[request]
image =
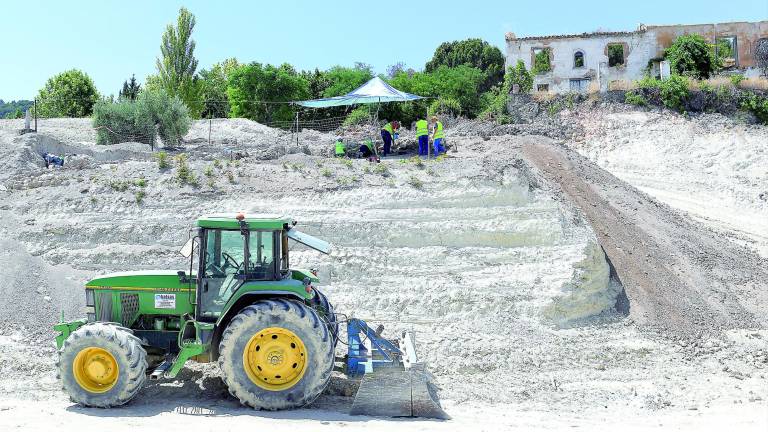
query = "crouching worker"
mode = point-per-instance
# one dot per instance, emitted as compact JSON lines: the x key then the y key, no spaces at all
{"x":388,"y":133}
{"x":340,"y":148}
{"x":366,"y":150}
{"x":437,"y":136}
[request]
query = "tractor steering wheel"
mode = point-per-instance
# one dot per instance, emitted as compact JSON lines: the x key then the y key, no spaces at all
{"x":230,"y":261}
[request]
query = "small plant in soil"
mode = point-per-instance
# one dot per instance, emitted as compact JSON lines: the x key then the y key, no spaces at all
{"x":325,"y":172}
{"x":140,"y":196}
{"x":162,"y":160}
{"x":217,"y":163}
{"x":119,"y":185}
{"x":347,"y":162}
{"x":415,"y":182}
{"x":140,"y":182}
{"x":230,"y":177}
{"x":382,"y":169}
{"x":208,"y":171}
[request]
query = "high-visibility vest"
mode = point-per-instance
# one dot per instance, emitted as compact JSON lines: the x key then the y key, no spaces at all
{"x":340,"y":148}
{"x":422,"y":128}
{"x":438,"y":131}
{"x":388,"y":127}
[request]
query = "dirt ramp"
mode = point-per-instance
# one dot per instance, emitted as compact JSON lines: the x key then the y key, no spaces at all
{"x":678,"y":275}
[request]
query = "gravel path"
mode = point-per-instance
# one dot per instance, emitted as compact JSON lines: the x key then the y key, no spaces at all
{"x":678,"y":274}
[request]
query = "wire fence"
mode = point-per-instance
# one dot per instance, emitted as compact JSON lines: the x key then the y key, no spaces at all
{"x":294,"y":126}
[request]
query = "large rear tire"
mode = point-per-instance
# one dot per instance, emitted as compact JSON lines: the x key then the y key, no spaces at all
{"x":102,"y":365}
{"x":325,"y":309}
{"x":276,"y":354}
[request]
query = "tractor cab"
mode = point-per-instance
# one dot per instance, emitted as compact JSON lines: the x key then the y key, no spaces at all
{"x":234,"y":255}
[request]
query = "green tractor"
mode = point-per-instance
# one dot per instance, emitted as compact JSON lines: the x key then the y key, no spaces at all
{"x":239,"y":303}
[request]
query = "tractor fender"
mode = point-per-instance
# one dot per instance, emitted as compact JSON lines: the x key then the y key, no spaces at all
{"x":246,"y":299}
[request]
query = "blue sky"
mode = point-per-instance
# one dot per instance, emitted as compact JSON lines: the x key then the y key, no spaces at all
{"x":110,"y":40}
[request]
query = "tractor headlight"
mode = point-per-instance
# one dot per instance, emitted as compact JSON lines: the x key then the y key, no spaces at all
{"x":89,"y":298}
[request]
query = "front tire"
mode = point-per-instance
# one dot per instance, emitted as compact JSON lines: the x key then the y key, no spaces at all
{"x":102,"y":365}
{"x":276,"y":354}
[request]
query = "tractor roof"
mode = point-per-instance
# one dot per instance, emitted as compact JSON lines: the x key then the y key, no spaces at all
{"x":230,"y":221}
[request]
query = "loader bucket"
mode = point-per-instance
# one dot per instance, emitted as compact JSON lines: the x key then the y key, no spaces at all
{"x":397,"y":392}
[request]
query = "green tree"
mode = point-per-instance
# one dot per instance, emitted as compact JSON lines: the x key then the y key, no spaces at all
{"x":691,"y":55}
{"x":318,"y":82}
{"x":475,"y":53}
{"x":130,"y":89}
{"x":253,"y":88}
{"x":213,"y":88}
{"x":342,"y":80}
{"x":68,"y":94}
{"x":10,"y":108}
{"x":459,"y":84}
{"x":176,"y":65}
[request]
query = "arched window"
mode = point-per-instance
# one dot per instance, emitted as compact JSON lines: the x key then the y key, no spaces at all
{"x":578,"y":59}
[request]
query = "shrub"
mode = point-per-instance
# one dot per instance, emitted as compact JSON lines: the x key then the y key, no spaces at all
{"x":140,"y":196}
{"x":691,"y":55}
{"x":633,"y":98}
{"x":140,"y":182}
{"x":123,"y":121}
{"x":169,"y":114}
{"x":541,"y":63}
{"x":674,"y":92}
{"x":445,"y":106}
{"x":737,"y":79}
{"x":230,"y":177}
{"x":757,"y":105}
{"x":359,"y":115}
{"x":138,"y":120}
{"x":325,"y":172}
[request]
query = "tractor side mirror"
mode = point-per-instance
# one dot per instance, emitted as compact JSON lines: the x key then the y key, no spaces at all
{"x":186,"y":250}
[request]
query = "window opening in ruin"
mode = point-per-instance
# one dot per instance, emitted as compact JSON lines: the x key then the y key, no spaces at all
{"x":578,"y":59}
{"x":615,"y":55}
{"x":541,"y":60}
{"x":726,"y":51}
{"x":542,"y":87}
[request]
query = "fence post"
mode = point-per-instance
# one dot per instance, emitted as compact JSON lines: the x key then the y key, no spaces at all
{"x":35,"y":115}
{"x":209,"y":131}
{"x":297,"y":128}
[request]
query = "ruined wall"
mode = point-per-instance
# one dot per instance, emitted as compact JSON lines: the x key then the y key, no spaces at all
{"x":746,"y":34}
{"x":640,"y":47}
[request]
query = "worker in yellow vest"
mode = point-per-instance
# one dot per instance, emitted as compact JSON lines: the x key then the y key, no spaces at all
{"x":422,"y":134}
{"x":437,"y":136}
{"x":388,"y":134}
{"x":340,"y":148}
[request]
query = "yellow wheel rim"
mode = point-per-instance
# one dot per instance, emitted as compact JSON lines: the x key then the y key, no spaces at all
{"x":275,"y":359}
{"x":95,"y":370}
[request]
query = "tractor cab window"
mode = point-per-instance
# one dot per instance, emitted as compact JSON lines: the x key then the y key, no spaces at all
{"x":261,"y":259}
